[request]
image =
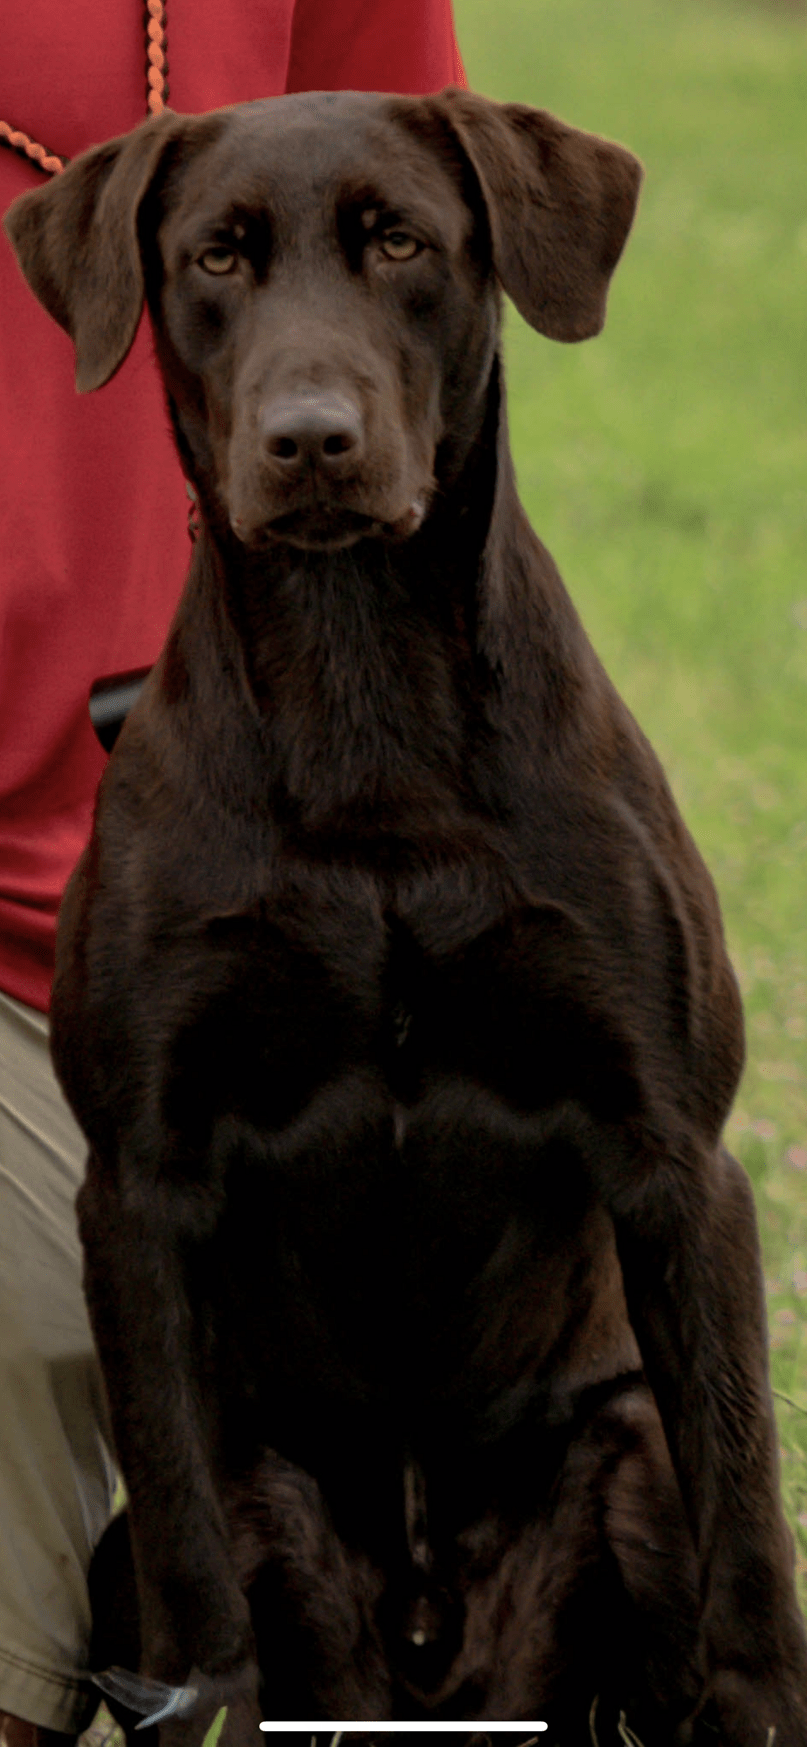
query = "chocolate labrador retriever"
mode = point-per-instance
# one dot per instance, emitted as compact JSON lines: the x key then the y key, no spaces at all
{"x":392,"y":993}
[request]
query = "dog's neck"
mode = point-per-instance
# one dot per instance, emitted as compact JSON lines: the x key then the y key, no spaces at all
{"x":367,"y":669}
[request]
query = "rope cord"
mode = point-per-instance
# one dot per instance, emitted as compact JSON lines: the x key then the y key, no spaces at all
{"x":51,"y":162}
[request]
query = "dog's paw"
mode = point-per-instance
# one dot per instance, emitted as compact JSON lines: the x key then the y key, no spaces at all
{"x":739,"y":1712}
{"x":226,"y":1713}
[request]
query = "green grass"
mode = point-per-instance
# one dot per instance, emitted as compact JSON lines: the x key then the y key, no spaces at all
{"x":665,"y":465}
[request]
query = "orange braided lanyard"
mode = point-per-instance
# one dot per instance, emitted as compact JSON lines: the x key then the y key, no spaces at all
{"x":156,"y":60}
{"x":52,"y":163}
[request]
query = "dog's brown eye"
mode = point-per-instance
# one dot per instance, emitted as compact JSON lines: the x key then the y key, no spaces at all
{"x":397,"y":246}
{"x":218,"y":260}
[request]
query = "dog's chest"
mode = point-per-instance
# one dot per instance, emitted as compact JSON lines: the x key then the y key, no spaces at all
{"x":375,"y":1071}
{"x":424,"y":1001}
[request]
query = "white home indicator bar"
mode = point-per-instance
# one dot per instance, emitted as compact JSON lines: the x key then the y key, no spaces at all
{"x":467,"y":1728}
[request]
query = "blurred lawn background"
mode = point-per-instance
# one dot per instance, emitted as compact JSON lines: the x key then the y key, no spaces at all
{"x":665,"y":466}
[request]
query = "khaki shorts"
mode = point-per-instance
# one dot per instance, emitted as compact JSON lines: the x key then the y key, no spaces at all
{"x":57,"y":1478}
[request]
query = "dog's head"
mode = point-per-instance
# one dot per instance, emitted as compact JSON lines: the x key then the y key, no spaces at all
{"x":322,"y":275}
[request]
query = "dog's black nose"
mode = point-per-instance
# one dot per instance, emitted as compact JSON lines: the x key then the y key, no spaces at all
{"x":311,"y":428}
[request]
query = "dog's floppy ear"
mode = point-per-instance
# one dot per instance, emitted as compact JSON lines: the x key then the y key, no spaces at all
{"x":559,"y":202}
{"x":76,"y":242}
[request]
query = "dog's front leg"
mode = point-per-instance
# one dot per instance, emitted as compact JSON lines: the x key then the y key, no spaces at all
{"x":688,"y":1248}
{"x":193,"y":1614}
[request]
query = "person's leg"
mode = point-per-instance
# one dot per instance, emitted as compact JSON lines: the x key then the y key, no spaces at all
{"x":57,"y":1477}
{"x":15,"y":1732}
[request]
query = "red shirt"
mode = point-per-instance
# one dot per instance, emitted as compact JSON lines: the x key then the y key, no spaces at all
{"x":93,"y":513}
